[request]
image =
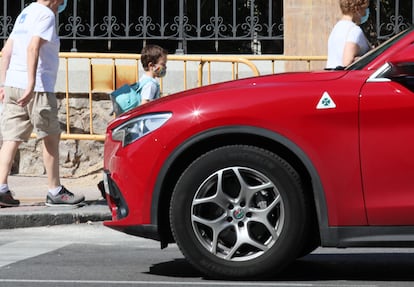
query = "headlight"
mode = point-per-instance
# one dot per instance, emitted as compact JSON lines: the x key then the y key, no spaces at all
{"x":136,"y":128}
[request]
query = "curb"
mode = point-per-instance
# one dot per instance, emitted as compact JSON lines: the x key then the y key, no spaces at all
{"x":40,"y":215}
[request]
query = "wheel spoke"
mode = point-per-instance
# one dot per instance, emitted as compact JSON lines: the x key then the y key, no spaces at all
{"x":243,"y":238}
{"x":245,"y":191}
{"x":216,"y":226}
{"x":219,"y":197}
{"x":248,"y":191}
{"x":256,"y":244}
{"x":261,"y":216}
{"x":265,"y":211}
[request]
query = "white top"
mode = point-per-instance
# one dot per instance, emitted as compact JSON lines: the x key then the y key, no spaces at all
{"x":35,"y":20}
{"x":344,"y":31}
{"x":151,"y":89}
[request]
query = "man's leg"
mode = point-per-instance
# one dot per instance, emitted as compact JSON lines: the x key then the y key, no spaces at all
{"x":7,"y":154}
{"x":51,"y":160}
{"x":57,"y":195}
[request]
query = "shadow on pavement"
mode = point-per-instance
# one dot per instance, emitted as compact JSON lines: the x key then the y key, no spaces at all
{"x":320,"y":267}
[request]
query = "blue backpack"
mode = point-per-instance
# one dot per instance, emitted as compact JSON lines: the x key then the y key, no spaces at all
{"x":127,"y":96}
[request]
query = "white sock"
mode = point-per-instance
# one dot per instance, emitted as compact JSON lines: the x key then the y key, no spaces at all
{"x":55,"y":191}
{"x":4,"y":188}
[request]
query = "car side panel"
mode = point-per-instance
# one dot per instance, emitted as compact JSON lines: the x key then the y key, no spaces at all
{"x":329,"y":137}
{"x":387,"y":148}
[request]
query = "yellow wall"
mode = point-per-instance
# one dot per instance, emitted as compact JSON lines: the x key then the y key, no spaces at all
{"x":307,"y":24}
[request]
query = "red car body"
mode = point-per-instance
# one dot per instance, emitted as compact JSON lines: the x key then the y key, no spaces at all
{"x":348,"y":134}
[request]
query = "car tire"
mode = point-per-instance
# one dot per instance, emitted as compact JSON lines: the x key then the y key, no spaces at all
{"x":239,"y":211}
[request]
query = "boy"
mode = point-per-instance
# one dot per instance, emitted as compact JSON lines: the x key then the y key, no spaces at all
{"x":154,"y":62}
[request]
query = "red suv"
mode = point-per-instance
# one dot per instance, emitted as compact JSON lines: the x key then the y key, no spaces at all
{"x":248,"y":175}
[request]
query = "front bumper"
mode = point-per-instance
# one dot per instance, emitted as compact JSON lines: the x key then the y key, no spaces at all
{"x":114,"y":198}
{"x":119,"y":210}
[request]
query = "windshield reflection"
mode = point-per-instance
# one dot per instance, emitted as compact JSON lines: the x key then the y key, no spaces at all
{"x":371,"y":55}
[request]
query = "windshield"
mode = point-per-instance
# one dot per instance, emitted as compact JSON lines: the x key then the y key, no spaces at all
{"x":367,"y":58}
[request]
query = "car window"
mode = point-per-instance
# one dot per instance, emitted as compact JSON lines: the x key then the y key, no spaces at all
{"x":367,"y":58}
{"x":402,"y":73}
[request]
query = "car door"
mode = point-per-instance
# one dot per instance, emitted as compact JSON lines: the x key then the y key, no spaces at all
{"x":387,"y":142}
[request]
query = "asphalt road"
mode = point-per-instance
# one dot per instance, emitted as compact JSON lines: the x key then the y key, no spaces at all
{"x":92,"y":255}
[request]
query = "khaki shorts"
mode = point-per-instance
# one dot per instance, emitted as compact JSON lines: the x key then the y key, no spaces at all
{"x":40,"y":116}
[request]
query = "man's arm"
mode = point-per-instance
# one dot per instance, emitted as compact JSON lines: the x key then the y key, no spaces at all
{"x":32,"y":61}
{"x":4,"y":64}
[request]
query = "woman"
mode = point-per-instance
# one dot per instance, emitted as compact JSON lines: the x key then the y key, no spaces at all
{"x":347,"y":40}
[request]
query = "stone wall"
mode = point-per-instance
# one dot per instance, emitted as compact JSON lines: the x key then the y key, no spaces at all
{"x":77,"y":157}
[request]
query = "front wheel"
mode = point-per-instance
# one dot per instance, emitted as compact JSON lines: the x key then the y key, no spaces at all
{"x":239,"y":211}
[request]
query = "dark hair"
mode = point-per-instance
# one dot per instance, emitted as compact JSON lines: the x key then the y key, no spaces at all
{"x":351,"y":6}
{"x":151,"y":54}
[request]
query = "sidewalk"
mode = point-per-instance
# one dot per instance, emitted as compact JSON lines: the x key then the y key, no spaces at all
{"x":31,"y":191}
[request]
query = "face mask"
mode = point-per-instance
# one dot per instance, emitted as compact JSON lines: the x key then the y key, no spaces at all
{"x":160,"y":71}
{"x":62,"y":7}
{"x":365,"y":18}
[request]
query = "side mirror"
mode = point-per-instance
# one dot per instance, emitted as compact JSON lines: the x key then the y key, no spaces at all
{"x":402,"y":73}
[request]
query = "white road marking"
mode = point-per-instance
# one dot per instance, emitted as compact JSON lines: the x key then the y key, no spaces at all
{"x":20,"y":250}
{"x":175,"y":283}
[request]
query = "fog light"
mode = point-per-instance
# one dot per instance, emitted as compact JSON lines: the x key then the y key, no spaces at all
{"x":122,"y":212}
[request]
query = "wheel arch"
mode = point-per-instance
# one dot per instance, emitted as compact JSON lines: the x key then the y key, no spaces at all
{"x":201,"y":143}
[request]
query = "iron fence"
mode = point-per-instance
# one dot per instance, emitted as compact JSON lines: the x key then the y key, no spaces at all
{"x":201,"y":26}
{"x":393,"y":16}
{"x":190,"y":26}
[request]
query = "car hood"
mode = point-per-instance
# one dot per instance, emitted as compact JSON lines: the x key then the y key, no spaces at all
{"x":283,"y":79}
{"x":308,"y":76}
{"x":276,"y":79}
